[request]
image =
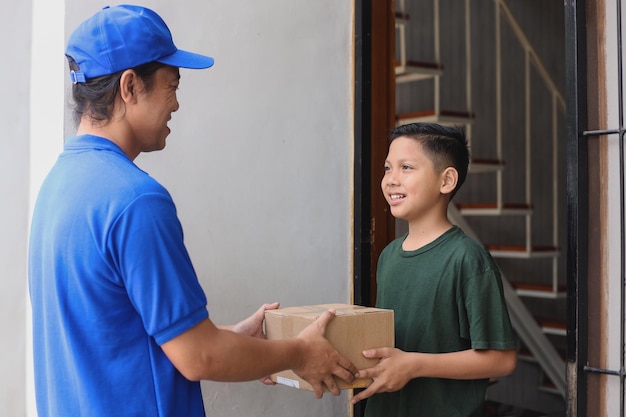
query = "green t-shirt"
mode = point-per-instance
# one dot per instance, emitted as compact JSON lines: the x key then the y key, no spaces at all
{"x":447,"y":296}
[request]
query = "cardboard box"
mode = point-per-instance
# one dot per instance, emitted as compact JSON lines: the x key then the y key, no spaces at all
{"x":354,"y":329}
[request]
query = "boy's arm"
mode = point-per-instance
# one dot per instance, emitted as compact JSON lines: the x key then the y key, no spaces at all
{"x":396,"y":367}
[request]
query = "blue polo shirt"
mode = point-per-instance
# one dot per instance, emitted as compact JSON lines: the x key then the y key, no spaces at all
{"x":110,"y":281}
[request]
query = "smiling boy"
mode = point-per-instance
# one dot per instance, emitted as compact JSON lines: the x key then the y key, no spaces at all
{"x":452,"y":327}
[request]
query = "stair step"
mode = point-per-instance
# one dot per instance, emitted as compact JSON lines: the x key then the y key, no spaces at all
{"x":492,"y":209}
{"x":549,"y":387}
{"x":521,"y":251}
{"x":478,"y":165}
{"x":524,"y":354}
{"x":415,"y":71}
{"x":444,"y":117}
{"x":402,"y":17}
{"x":551,"y":326}
{"x":539,"y":290}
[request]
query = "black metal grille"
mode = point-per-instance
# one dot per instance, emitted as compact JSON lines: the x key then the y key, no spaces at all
{"x":578,"y":135}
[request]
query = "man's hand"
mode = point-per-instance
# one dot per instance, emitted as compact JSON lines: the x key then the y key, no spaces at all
{"x":321,"y":359}
{"x":253,"y":326}
{"x":389,"y":374}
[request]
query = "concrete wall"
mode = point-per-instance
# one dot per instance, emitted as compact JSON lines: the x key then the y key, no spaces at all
{"x":259,"y":163}
{"x":15,"y":70}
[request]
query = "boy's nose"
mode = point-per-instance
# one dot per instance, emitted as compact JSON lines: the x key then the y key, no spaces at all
{"x":391,"y":179}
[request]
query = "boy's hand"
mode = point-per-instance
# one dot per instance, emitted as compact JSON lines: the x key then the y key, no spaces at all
{"x":391,"y":373}
{"x":321,"y":359}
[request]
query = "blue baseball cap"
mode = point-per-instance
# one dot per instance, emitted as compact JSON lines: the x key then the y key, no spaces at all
{"x":123,"y":37}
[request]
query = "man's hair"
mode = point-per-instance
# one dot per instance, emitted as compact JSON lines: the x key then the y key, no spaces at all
{"x":446,"y":146}
{"x":96,"y":97}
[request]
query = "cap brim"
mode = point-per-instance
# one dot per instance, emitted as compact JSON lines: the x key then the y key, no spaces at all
{"x":186,"y":59}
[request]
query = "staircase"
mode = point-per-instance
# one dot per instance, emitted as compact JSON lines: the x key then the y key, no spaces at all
{"x":525,"y":236}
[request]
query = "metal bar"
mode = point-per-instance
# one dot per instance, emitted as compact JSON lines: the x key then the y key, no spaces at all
{"x":555,"y":191}
{"x":577,"y":206}
{"x":362,"y":133}
{"x":468,"y":69}
{"x":498,"y":102}
{"x":622,"y":206}
{"x":528,"y":173}
{"x":402,"y":7}
{"x":519,"y":33}
{"x":620,"y":95}
{"x":437,"y":36}
{"x":601,"y":132}
{"x":468,"y":58}
{"x":402,"y":30}
{"x":602,"y":371}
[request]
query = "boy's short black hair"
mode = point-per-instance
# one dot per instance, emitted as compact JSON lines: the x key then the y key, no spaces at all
{"x":446,"y":146}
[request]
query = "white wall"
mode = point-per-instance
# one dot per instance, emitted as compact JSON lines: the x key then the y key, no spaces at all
{"x":259,"y":163}
{"x":15,"y":70}
{"x":45,"y":113}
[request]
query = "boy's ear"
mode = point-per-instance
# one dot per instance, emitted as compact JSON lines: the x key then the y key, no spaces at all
{"x":450,"y":177}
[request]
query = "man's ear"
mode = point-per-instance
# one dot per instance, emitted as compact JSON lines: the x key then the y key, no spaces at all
{"x":450,"y":178}
{"x":129,"y":86}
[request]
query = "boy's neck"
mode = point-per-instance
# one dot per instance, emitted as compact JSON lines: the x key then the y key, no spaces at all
{"x":424,"y":232}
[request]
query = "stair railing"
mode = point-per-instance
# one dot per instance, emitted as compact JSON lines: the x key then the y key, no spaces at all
{"x":468,"y":69}
{"x":531,"y":59}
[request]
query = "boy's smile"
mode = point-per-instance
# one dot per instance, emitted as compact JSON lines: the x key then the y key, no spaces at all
{"x":396,"y":197}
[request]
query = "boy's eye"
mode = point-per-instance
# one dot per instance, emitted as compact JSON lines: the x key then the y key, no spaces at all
{"x":386,"y":168}
{"x":406,"y":167}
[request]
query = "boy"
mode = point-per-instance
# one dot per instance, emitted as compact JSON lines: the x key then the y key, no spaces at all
{"x":452,"y":327}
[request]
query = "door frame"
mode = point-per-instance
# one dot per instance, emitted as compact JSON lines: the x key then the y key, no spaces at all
{"x":374,"y":118}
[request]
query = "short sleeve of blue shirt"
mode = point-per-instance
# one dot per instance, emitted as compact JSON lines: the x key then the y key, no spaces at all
{"x":146,"y":242}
